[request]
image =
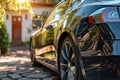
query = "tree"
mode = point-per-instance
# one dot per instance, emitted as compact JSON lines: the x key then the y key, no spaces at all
{"x":4,"y":40}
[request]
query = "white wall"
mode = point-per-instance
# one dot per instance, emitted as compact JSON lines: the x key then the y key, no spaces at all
{"x":8,"y":25}
{"x":25,"y":25}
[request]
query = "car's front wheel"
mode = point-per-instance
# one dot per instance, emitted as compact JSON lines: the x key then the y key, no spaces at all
{"x":68,"y":63}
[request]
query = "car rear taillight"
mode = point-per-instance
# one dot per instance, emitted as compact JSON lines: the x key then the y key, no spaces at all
{"x":110,"y":14}
{"x":90,"y":19}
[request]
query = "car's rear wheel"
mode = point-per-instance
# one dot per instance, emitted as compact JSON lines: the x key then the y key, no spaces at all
{"x":32,"y":55}
{"x":68,"y":63}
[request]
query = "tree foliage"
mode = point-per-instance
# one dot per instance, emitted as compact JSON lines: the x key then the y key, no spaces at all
{"x":4,"y":40}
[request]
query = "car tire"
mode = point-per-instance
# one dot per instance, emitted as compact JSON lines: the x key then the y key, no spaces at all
{"x":32,"y":56}
{"x":68,"y":61}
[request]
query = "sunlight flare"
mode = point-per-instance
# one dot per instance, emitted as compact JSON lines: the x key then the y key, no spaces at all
{"x":21,"y":1}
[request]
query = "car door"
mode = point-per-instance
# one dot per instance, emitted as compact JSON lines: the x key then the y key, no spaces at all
{"x":48,"y":32}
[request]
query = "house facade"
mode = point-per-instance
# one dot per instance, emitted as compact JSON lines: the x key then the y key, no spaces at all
{"x":20,"y":24}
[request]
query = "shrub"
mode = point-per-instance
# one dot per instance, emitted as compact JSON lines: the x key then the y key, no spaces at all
{"x":4,"y":40}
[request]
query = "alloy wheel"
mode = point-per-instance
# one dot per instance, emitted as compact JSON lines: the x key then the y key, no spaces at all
{"x":67,"y":61}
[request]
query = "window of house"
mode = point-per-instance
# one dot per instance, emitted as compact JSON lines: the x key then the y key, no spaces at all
{"x":36,"y":22}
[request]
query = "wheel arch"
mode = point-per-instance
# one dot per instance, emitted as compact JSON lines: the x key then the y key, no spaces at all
{"x":61,"y":38}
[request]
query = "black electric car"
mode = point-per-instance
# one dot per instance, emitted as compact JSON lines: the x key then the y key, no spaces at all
{"x":80,"y":40}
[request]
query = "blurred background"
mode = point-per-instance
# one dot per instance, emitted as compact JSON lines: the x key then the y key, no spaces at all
{"x":20,"y":18}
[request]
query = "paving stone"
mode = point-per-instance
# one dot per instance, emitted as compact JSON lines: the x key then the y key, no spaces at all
{"x":3,"y":72}
{"x":27,"y":79}
{"x":55,"y":78}
{"x":14,"y":76}
{"x":11,"y":72}
{"x":24,"y":75}
{"x":47,"y":73}
{"x":21,"y":69}
{"x":37,"y":72}
{"x":8,"y":68}
{"x":6,"y":79}
{"x":48,"y":79}
{"x":31,"y":68}
{"x":37,"y":76}
{"x":27,"y":64}
{"x":3,"y":75}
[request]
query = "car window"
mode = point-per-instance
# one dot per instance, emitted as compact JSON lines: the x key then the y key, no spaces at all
{"x":51,"y":15}
{"x":76,"y":3}
{"x":73,"y":4}
{"x":57,"y":12}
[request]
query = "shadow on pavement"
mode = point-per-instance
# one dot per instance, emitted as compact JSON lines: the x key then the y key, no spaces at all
{"x":17,"y":66}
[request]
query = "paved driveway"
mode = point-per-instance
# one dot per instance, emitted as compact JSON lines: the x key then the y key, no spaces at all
{"x":16,"y":66}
